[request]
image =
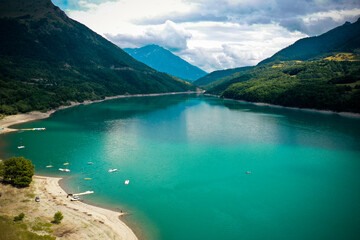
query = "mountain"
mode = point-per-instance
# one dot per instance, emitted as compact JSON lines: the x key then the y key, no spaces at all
{"x":48,"y":60}
{"x":216,"y":75}
{"x":320,"y":72}
{"x":335,"y":43}
{"x":321,"y":84}
{"x":345,"y":38}
{"x":165,"y":61}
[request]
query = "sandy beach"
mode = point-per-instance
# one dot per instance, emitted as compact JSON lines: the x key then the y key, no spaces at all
{"x":81,"y":221}
{"x":8,"y":121}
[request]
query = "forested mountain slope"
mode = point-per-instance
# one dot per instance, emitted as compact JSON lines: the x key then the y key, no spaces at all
{"x":323,"y":84}
{"x":319,"y":72}
{"x":345,"y":38}
{"x":48,"y":59}
{"x":217,"y":75}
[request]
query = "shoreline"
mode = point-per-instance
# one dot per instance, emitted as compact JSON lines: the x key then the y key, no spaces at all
{"x":135,"y":227}
{"x":53,"y":189}
{"x":104,"y":219}
{"x":342,"y":114}
{"x":8,"y":121}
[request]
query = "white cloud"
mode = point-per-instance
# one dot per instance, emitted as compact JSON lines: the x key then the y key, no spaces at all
{"x":120,"y":16}
{"x":234,"y":45}
{"x":169,"y":35}
{"x":213,"y":34}
{"x":336,"y":15}
{"x":87,"y":5}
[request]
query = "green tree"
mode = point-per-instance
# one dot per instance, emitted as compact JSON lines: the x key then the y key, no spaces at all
{"x":19,"y":217}
{"x":58,"y":217}
{"x":18,"y":171}
{"x":2,"y":167}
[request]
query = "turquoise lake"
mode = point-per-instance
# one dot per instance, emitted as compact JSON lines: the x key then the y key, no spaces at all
{"x":187,"y":159}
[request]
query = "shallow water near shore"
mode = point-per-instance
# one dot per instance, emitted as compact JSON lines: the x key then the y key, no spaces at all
{"x":204,"y":168}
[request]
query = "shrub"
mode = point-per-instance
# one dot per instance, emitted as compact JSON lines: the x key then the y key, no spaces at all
{"x":58,"y":217}
{"x":19,"y":217}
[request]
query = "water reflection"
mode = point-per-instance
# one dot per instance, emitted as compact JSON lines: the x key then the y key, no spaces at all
{"x":187,"y":156}
{"x":287,"y":126}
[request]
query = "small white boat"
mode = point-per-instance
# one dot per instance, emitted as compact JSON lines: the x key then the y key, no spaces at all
{"x":20,"y":147}
{"x":75,"y":198}
{"x":84,"y":193}
{"x":90,"y":163}
{"x":64,"y":170}
{"x":127,"y":182}
{"x":112,"y":170}
{"x":49,"y":166}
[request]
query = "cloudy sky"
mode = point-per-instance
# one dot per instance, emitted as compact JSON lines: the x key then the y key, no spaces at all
{"x":212,"y":34}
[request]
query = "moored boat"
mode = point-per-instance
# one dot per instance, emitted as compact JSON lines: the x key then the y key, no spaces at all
{"x":64,"y":170}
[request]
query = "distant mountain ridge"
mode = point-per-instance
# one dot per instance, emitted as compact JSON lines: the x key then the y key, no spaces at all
{"x":48,"y":59}
{"x":163,"y":60}
{"x":216,"y":75}
{"x":345,"y":38}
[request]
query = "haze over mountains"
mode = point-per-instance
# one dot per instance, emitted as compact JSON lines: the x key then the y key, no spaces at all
{"x":163,"y":60}
{"x":48,"y":59}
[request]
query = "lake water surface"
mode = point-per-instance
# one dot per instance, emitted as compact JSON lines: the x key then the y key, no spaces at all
{"x":186,"y":157}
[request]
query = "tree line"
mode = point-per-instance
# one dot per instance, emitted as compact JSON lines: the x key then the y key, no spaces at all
{"x":329,"y":85}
